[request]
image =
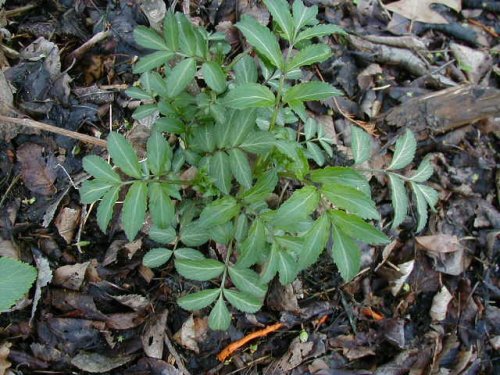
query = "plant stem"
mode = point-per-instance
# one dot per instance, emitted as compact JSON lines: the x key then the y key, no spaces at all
{"x":226,"y":263}
{"x":375,"y":170}
{"x":280,"y":89}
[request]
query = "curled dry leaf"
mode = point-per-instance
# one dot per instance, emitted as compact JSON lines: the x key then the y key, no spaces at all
{"x":38,"y":175}
{"x":154,"y":335}
{"x":404,"y":269}
{"x":67,"y":222}
{"x":97,"y":363}
{"x":71,"y":276}
{"x":440,"y":243}
{"x":422,"y":11}
{"x":440,"y":303}
{"x":135,"y":301}
{"x":43,"y":279}
{"x":192,"y":332}
{"x":4,"y":354}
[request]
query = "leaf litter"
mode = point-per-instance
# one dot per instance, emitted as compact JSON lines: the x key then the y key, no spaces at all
{"x":105,"y":312}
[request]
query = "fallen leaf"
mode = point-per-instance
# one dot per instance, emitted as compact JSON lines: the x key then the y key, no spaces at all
{"x":404,"y":269}
{"x":71,"y":276}
{"x":440,"y":303}
{"x":473,"y":62}
{"x":38,"y":175}
{"x":421,"y":10}
{"x":67,"y":222}
{"x":98,"y":363}
{"x":7,"y":249}
{"x":4,"y":354}
{"x":43,"y":279}
{"x":154,"y":335}
{"x":135,"y":301}
{"x":122,"y":321}
{"x":192,"y":332}
{"x":440,"y":243}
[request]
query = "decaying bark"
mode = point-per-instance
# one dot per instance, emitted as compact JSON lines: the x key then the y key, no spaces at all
{"x":447,"y":109}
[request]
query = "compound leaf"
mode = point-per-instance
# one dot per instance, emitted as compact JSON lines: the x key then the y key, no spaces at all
{"x":424,"y":171}
{"x":346,"y":254}
{"x":287,"y":267}
{"x":240,"y":167}
{"x":342,"y":176}
{"x":301,"y":204}
{"x":361,"y":145}
{"x":219,"y":318}
{"x":123,"y":155}
{"x":421,"y":206}
{"x":279,"y":9}
{"x":262,"y":39}
{"x":251,"y":249}
{"x":219,"y":170}
{"x":134,"y":209}
{"x":219,"y":212}
{"x":319,"y":31}
{"x":244,"y":302}
{"x":249,"y":95}
{"x":99,"y":168}
{"x":214,"y":76}
{"x":310,"y":91}
{"x":314,"y":242}
{"x":303,"y":15}
{"x":357,"y":228}
{"x":171,"y":31}
{"x":93,"y":190}
{"x":258,"y":142}
{"x":312,"y":54}
{"x":148,"y":38}
{"x":194,"y":234}
{"x":180,"y":77}
{"x":351,"y":200}
{"x":106,"y":206}
{"x":399,"y":199}
{"x":245,"y":70}
{"x":156,"y":257}
{"x":158,"y":153}
{"x":198,"y":300}
{"x":160,"y":205}
{"x":404,"y":153}
{"x":199,"y":269}
{"x":247,"y":281}
{"x":162,"y":235}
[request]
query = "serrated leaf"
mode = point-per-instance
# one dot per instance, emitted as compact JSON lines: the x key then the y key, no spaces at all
{"x":188,"y":253}
{"x":222,"y":234}
{"x":287,"y":267}
{"x":404,"y":153}
{"x":219,"y":318}
{"x":134,"y":209}
{"x":258,"y":142}
{"x":123,"y":155}
{"x":245,"y":70}
{"x":198,"y":300}
{"x":194,"y":234}
{"x":242,"y":301}
{"x":399,"y":199}
{"x":346,"y":254}
{"x":160,"y":205}
{"x":144,"y":111}
{"x":241,"y":228}
{"x":424,"y":171}
{"x":301,"y":204}
{"x":247,"y":281}
{"x":250,"y":250}
{"x":264,"y":186}
{"x":137,"y":93}
{"x":158,"y":84}
{"x":315,"y":153}
{"x":421,"y":206}
{"x":180,"y":77}
{"x":292,"y":243}
{"x":262,"y":39}
{"x":303,"y":15}
{"x":171,"y":31}
{"x":314,"y":242}
{"x":214,"y":76}
{"x":310,"y":91}
{"x":187,"y":39}
{"x":342,"y":176}
{"x":430,"y":195}
{"x":357,"y":228}
{"x":312,"y":54}
{"x":279,"y":9}
{"x":219,"y":212}
{"x":162,"y":235}
{"x":152,"y":61}
{"x":148,"y":38}
{"x":243,"y":124}
{"x":171,"y":125}
{"x":99,"y":168}
{"x":240,"y":167}
{"x":199,"y":269}
{"x":158,"y":152}
{"x":351,"y":200}
{"x":156,"y":257}
{"x":361,"y":145}
{"x":106,"y":206}
{"x":249,"y":95}
{"x":219,"y":170}
{"x":319,"y":31}
{"x":310,"y":128}
{"x":270,"y":268}
{"x":16,"y":279}
{"x":93,"y":190}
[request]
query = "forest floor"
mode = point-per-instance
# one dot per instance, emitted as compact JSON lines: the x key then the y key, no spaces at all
{"x":427,"y":303}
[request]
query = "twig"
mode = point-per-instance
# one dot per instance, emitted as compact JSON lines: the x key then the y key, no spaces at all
{"x":176,"y":355}
{"x":18,"y":11}
{"x":80,"y":51}
{"x":5,"y":120}
{"x":234,"y":346}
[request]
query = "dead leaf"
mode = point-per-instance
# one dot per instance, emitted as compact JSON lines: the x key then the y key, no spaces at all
{"x":67,"y":222}
{"x":122,"y":321}
{"x":38,"y":174}
{"x":282,"y":297}
{"x":4,"y":354}
{"x":192,"y":332}
{"x":440,"y":303}
{"x":404,"y":269}
{"x":43,"y":279}
{"x":154,"y":335}
{"x":421,"y":10}
{"x":98,"y":363}
{"x":473,"y":62}
{"x":135,"y":301}
{"x":71,"y":276}
{"x":440,"y":243}
{"x":7,"y":249}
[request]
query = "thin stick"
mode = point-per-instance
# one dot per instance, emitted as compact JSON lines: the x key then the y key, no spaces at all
{"x":80,"y":51}
{"x":234,"y":346}
{"x":176,"y":355}
{"x":5,"y":121}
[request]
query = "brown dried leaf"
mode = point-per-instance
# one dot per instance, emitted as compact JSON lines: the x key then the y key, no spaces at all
{"x":192,"y":332}
{"x":43,"y":279}
{"x":421,"y":10}
{"x":37,"y":174}
{"x":124,"y":321}
{"x":4,"y":354}
{"x":71,"y":276}
{"x":135,"y":301}
{"x":404,"y":269}
{"x":154,"y":334}
{"x":67,"y":222}
{"x":440,"y":243}
{"x":440,"y":303}
{"x":97,"y":363}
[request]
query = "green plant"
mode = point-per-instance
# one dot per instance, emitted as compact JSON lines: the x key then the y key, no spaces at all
{"x":236,"y":123}
{"x":16,"y":279}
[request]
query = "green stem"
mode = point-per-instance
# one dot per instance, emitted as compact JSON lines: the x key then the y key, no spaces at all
{"x":281,"y":85}
{"x":375,"y":170}
{"x":226,"y":263}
